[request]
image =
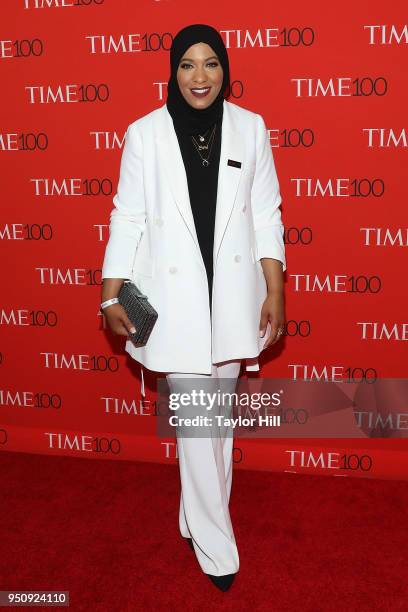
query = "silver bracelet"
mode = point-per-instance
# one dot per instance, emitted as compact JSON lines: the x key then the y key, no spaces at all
{"x":109,"y":302}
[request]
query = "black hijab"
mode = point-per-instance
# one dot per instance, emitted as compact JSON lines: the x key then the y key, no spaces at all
{"x":185,"y":117}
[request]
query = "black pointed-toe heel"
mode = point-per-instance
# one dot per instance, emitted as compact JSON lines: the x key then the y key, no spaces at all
{"x":190,"y":543}
{"x":222,"y":582}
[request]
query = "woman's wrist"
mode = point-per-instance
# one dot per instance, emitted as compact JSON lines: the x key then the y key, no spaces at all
{"x":276,"y":292}
{"x":111,"y":288}
{"x":110,"y":302}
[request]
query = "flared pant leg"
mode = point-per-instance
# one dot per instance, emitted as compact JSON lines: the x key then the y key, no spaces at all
{"x":206,"y":468}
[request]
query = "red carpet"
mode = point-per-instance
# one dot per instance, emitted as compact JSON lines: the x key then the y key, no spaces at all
{"x":107,"y":532}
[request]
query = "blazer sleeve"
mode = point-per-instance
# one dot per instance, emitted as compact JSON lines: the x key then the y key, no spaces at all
{"x":128,"y":217}
{"x":266,"y":198}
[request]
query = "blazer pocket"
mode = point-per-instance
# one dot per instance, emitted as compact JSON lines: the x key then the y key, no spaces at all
{"x":250,"y":168}
{"x":249,"y":173}
{"x":143,"y":267}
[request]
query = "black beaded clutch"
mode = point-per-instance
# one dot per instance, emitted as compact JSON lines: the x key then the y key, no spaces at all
{"x":139,"y":310}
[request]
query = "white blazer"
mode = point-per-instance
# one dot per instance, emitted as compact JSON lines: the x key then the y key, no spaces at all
{"x":153,"y":241}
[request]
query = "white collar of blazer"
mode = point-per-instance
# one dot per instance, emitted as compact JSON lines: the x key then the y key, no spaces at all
{"x":228,"y":178}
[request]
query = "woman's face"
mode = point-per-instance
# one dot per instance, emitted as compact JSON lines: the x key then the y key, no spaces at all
{"x":199,"y":75}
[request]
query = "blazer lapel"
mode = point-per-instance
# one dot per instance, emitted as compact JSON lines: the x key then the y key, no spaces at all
{"x":232,"y":148}
{"x":171,"y":162}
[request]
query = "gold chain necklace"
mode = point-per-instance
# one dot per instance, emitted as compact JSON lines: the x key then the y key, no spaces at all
{"x":205,"y":147}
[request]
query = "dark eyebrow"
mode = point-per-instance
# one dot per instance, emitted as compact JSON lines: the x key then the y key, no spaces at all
{"x":187,"y":59}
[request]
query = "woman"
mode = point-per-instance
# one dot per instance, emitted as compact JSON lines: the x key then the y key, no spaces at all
{"x":197,"y":226}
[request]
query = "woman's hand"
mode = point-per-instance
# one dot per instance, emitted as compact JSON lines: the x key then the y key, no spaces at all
{"x":115,"y":314}
{"x":273,"y":310}
{"x":118,"y":320}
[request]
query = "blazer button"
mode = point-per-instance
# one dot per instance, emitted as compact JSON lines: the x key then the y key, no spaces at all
{"x":172,"y":269}
{"x":159,"y":221}
{"x":244,"y":209}
{"x":237,"y":258}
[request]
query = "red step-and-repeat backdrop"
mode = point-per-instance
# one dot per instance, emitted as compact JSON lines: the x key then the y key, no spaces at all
{"x":331,"y":84}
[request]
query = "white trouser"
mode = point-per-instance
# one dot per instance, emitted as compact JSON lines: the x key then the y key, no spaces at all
{"x":205,"y":465}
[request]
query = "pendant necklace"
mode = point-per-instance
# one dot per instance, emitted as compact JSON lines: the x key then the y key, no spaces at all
{"x":205,"y":159}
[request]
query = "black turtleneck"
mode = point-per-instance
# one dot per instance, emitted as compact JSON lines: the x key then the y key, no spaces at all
{"x":202,"y":185}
